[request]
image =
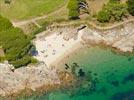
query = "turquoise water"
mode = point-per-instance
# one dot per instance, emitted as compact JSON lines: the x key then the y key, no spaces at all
{"x":107,"y":76}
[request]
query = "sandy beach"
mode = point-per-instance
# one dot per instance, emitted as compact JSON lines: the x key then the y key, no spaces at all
{"x":54,"y":47}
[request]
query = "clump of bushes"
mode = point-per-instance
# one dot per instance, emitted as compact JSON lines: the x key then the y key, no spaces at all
{"x":112,"y":10}
{"x":7,"y":1}
{"x":103,"y":16}
{"x":73,"y":7}
{"x":130,"y":4}
{"x":21,"y":62}
{"x":15,"y":43}
{"x":2,"y":59}
{"x":4,"y":24}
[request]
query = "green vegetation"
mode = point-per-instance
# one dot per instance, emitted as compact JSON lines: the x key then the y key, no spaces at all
{"x":7,"y":1}
{"x":22,"y":61}
{"x":4,"y":24}
{"x":114,"y":9}
{"x":2,"y":59}
{"x":15,"y":43}
{"x":24,"y":9}
{"x":39,"y":30}
{"x":114,"y":1}
{"x":130,"y":4}
{"x":73,"y":9}
{"x":103,"y":16}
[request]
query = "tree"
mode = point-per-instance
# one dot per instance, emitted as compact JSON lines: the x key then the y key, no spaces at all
{"x":130,"y":4}
{"x":113,"y":9}
{"x":15,"y":43}
{"x":103,"y":16}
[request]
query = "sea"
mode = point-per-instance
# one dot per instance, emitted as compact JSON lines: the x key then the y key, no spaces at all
{"x":102,"y":74}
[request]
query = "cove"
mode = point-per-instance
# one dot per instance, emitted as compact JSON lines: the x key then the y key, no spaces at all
{"x":112,"y":77}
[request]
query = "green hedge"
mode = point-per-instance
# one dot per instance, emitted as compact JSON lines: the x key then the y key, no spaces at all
{"x":15,"y":43}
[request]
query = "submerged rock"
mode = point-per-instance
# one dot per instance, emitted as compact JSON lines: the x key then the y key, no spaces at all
{"x":81,"y":73}
{"x":115,"y":83}
{"x":103,"y":90}
{"x":130,"y":77}
{"x":129,"y":95}
{"x":130,"y":59}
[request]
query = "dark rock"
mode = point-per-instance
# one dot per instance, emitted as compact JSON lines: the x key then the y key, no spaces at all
{"x":130,"y":59}
{"x":130,"y":77}
{"x":115,"y":83}
{"x":67,"y":66}
{"x":129,"y":95}
{"x":81,"y":73}
{"x":103,"y":90}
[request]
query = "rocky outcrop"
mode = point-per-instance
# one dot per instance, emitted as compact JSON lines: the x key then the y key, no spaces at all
{"x":121,"y":38}
{"x":26,"y":77}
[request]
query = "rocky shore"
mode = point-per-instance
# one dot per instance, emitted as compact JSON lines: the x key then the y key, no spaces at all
{"x":30,"y":77}
{"x":120,"y":38}
{"x":34,"y":77}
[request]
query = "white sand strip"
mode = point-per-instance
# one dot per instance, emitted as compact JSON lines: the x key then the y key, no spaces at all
{"x":54,"y":47}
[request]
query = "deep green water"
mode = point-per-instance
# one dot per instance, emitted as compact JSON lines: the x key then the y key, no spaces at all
{"x":112,"y":77}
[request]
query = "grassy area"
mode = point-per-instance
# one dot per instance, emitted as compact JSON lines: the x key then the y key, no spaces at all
{"x":24,"y":9}
{"x":59,"y":16}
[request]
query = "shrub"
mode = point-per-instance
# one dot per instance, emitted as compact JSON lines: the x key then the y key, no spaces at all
{"x":7,"y":1}
{"x":2,"y":59}
{"x":114,"y":1}
{"x":103,"y":16}
{"x":15,"y":43}
{"x":117,"y":10}
{"x":113,"y":9}
{"x":73,"y":6}
{"x":4,"y":24}
{"x":34,"y":61}
{"x":21,"y":62}
{"x":130,"y":4}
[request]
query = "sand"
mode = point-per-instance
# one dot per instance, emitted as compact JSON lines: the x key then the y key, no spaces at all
{"x":54,"y":47}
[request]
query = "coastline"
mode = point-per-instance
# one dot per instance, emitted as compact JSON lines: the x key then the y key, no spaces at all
{"x":45,"y":74}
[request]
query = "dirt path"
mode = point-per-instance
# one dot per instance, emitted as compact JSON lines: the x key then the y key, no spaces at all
{"x":93,"y":24}
{"x":24,"y":22}
{"x":111,"y":26}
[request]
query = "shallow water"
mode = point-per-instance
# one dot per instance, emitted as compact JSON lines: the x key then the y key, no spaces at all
{"x":111,"y":75}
